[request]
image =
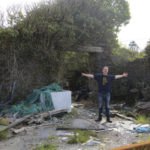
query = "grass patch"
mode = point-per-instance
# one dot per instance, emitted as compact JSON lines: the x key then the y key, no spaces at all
{"x":142,"y":119}
{"x":73,"y":112}
{"x":81,"y":136}
{"x":70,"y":115}
{"x":53,"y":137}
{"x":3,"y":134}
{"x":46,"y":146}
{"x":142,"y":140}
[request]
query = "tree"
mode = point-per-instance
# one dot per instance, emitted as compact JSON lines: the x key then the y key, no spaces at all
{"x":133,"y":46}
{"x":147,"y":49}
{"x":1,"y":19}
{"x":69,"y":23}
{"x":39,"y":40}
{"x":122,"y":56}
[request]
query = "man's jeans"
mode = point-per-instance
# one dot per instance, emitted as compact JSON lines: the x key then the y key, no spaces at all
{"x":104,"y":98}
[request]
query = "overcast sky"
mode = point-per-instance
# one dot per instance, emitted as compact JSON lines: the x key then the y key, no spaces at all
{"x":138,"y":28}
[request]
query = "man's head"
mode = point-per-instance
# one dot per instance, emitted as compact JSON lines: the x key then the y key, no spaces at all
{"x":105,"y":70}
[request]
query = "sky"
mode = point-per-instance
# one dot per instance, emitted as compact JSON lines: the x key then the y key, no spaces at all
{"x":137,"y":30}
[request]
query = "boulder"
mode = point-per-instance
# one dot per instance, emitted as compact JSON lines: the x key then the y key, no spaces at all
{"x":80,"y":123}
{"x":85,"y":124}
{"x":143,"y":107}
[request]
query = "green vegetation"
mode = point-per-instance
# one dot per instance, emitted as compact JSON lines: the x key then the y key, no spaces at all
{"x":53,"y":137}
{"x":142,"y":119}
{"x":141,"y":140}
{"x":74,"y":112}
{"x":130,"y":114}
{"x":123,"y":55}
{"x":147,"y":49}
{"x":3,"y":134}
{"x":34,"y":46}
{"x":81,"y":136}
{"x":47,"y":146}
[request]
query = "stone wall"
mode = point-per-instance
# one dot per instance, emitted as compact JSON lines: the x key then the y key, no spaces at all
{"x":130,"y":89}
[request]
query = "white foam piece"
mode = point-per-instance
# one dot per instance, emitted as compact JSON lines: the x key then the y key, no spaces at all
{"x":62,"y":100}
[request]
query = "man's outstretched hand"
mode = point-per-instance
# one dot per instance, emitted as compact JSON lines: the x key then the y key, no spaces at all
{"x":125,"y":74}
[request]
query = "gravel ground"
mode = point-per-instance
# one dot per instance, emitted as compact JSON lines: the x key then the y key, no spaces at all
{"x":113,"y":134}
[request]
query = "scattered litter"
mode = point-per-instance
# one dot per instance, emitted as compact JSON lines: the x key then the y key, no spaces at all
{"x":61,"y":133}
{"x":142,"y":129}
{"x":1,"y":126}
{"x":92,"y":142}
{"x":16,"y":131}
{"x":25,"y":118}
{"x":64,"y":139}
{"x":40,"y":100}
{"x":92,"y":115}
{"x":77,"y":105}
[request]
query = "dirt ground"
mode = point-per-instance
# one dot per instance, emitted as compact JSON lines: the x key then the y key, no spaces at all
{"x":111,"y":135}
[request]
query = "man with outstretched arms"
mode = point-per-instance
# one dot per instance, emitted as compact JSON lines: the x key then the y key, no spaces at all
{"x":104,"y":89}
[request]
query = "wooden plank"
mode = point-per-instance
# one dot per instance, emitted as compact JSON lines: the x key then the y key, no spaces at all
{"x":65,"y":128}
{"x":18,"y":121}
{"x":122,"y":116}
{"x":53,"y":112}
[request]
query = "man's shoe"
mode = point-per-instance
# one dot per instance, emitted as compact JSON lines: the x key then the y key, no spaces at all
{"x":108,"y":120}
